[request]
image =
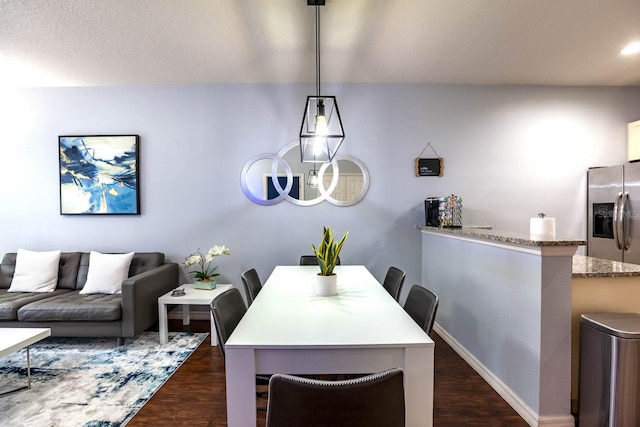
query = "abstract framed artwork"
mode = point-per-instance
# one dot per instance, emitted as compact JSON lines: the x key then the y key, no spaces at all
{"x":99,"y":175}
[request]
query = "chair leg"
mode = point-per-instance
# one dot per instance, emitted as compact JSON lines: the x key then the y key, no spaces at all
{"x":262,"y":397}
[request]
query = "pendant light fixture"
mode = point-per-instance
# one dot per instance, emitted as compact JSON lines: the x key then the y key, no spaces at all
{"x":321,"y":133}
{"x":312,"y":178}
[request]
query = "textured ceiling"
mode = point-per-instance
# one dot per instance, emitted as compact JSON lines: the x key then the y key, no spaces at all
{"x":132,"y":42}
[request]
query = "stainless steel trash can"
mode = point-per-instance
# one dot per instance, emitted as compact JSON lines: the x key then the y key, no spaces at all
{"x":609,"y":370}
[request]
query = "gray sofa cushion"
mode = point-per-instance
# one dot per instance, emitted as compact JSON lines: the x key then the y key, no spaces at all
{"x":145,"y":261}
{"x":72,"y":306}
{"x":10,"y":302}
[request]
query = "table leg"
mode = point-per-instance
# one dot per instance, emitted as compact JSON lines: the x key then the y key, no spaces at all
{"x":241,"y":387}
{"x":418,"y":386}
{"x":214,"y":336}
{"x":28,"y":370}
{"x":163,"y":325}
{"x":185,"y":314}
{"x":28,"y":386}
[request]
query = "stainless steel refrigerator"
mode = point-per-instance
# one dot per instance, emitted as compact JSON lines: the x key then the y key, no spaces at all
{"x":613,"y":209}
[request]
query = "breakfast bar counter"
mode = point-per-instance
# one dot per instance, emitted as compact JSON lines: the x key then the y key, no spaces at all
{"x":489,"y":235}
{"x":505,"y":307}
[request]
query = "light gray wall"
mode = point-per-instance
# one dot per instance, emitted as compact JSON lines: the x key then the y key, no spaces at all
{"x":508,"y":309}
{"x":510,"y":152}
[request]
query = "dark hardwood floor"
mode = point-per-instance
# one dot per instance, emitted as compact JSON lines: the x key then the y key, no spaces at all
{"x":195,"y":394}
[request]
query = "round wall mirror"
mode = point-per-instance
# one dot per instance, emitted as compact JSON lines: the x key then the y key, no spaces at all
{"x":353,"y":181}
{"x":257,"y":182}
{"x":267,"y":179}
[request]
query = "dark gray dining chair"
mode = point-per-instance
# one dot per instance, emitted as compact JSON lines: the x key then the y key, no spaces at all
{"x":421,"y":305}
{"x":393,"y":282}
{"x":228,"y":309}
{"x":252,"y":284}
{"x":312,"y":260}
{"x":375,"y":400}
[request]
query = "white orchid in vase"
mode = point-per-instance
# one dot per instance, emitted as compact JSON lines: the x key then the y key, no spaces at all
{"x":205,"y":273}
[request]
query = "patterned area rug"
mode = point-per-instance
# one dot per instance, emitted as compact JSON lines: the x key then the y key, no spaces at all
{"x":89,"y":381}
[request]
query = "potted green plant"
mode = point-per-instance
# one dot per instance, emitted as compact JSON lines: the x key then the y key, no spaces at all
{"x":205,"y":275}
{"x":327,"y":254}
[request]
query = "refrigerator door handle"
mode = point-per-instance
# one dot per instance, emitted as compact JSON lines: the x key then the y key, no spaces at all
{"x":617,"y":226}
{"x":624,"y":221}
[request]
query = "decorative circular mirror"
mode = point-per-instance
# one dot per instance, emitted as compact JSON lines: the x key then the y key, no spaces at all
{"x":267,"y":179}
{"x":353,"y":181}
{"x":257,"y":179}
{"x":306,"y":176}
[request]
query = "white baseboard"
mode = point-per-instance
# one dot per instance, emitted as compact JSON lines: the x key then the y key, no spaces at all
{"x":528,"y":414}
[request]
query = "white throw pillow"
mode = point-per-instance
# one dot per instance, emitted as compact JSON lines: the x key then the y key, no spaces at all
{"x":106,"y":273}
{"x":35,"y":271}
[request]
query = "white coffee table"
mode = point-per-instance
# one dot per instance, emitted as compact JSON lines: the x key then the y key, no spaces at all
{"x":192,"y":296}
{"x":14,"y":339}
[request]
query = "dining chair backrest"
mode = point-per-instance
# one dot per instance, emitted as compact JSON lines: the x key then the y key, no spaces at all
{"x":421,"y":305}
{"x":393,"y":282}
{"x":228,"y":309}
{"x":375,"y":400}
{"x":252,"y":284}
{"x":313,"y":260}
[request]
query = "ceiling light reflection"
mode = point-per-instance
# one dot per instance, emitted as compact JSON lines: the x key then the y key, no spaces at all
{"x":631,"y":49}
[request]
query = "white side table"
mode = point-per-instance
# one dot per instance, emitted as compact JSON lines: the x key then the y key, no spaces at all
{"x":192,"y":296}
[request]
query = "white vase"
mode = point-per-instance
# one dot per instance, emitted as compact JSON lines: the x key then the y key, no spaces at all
{"x":327,"y":286}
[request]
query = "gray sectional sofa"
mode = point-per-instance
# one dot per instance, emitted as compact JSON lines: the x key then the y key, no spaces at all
{"x":71,"y":314}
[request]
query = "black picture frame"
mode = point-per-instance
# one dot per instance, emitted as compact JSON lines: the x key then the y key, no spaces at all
{"x":99,"y":174}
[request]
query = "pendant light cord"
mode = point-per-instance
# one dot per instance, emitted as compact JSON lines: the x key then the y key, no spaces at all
{"x":318,"y":50}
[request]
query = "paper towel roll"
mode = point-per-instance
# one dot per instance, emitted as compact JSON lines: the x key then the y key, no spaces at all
{"x":541,"y":228}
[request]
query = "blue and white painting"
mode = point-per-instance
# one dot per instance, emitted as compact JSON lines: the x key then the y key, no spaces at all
{"x":99,"y":175}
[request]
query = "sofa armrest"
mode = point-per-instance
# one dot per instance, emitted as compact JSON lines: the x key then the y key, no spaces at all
{"x":140,"y":297}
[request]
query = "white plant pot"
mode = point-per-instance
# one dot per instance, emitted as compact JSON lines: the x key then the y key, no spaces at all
{"x":327,"y":286}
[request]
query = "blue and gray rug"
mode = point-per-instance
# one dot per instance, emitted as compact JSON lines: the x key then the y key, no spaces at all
{"x":89,"y":381}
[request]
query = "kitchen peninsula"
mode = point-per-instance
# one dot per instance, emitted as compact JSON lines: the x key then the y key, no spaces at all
{"x":505,"y":307}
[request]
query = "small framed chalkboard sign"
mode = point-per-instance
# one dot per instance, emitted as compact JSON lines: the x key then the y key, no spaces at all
{"x":429,"y":167}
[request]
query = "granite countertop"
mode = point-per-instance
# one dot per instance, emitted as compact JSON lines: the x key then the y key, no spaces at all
{"x":500,"y":236}
{"x":589,"y":267}
{"x":582,"y":266}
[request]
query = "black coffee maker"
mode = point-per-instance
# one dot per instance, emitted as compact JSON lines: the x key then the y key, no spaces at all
{"x":432,"y":211}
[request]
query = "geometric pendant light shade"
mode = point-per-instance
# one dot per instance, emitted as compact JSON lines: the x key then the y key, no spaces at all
{"x":321,"y":132}
{"x":312,"y":178}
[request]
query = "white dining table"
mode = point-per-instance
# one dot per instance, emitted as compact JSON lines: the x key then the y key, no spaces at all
{"x":288,"y":329}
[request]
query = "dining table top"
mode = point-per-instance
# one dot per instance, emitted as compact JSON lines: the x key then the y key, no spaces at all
{"x":288,"y":314}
